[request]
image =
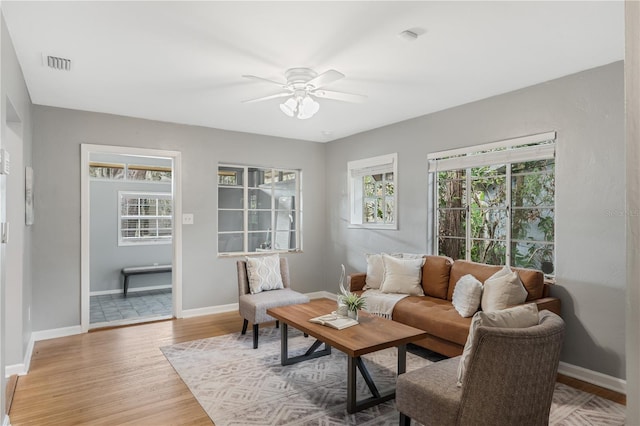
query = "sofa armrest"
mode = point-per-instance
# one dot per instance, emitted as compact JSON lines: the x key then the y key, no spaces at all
{"x":549,"y":303}
{"x":356,"y":282}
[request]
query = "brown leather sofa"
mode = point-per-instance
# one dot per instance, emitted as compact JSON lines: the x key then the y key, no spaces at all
{"x":434,"y":312}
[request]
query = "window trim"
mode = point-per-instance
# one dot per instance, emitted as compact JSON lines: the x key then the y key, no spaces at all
{"x":143,"y":241}
{"x":508,"y":151}
{"x":355,"y":171}
{"x":298,"y":208}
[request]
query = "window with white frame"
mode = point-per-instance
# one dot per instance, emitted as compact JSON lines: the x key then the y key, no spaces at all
{"x":259,"y":209}
{"x":373,"y":192}
{"x":144,"y":218}
{"x":495,"y":203}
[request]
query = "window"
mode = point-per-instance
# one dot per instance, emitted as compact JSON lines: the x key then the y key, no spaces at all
{"x":495,"y":203}
{"x":145,"y":218}
{"x":259,"y":210}
{"x":373,"y":192}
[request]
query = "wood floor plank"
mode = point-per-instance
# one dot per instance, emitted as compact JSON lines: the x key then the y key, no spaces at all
{"x":119,"y":376}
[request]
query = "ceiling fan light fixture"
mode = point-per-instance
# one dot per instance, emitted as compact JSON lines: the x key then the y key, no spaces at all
{"x":307,"y":108}
{"x":289,"y":107}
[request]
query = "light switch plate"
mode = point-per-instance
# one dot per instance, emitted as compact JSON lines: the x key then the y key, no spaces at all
{"x":187,"y":219}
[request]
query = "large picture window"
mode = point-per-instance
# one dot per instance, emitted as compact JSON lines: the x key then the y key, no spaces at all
{"x":495,"y":203}
{"x":259,"y":209}
{"x":144,"y":218}
{"x":373,"y":192}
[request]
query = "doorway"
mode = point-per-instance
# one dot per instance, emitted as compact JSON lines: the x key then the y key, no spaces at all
{"x":130,"y":234}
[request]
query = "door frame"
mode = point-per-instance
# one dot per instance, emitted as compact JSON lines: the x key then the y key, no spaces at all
{"x":85,"y":215}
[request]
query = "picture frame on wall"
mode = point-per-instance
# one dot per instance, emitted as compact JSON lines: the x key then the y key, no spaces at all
{"x":28,"y":196}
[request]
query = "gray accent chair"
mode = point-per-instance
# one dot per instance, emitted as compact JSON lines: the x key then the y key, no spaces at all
{"x":253,"y":307}
{"x":509,"y":381}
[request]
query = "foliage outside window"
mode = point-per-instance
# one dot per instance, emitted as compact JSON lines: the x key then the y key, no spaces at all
{"x":131,"y":172}
{"x":373,"y":192}
{"x":259,"y":209}
{"x":498,"y":208}
{"x":145,"y":218}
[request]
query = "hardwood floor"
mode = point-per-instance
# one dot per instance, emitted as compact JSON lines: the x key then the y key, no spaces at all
{"x":119,"y":376}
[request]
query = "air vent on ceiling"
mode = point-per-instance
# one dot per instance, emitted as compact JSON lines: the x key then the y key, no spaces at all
{"x":58,"y":63}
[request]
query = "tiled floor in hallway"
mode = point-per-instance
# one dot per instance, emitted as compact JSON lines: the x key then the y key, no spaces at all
{"x":115,"y":307}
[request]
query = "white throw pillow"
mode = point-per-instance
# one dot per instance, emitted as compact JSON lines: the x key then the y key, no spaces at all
{"x":402,"y":276}
{"x":502,"y":290}
{"x":375,"y":270}
{"x":264,"y":273}
{"x":467,"y":295}
{"x":517,"y":317}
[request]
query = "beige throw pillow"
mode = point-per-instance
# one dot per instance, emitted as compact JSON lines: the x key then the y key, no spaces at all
{"x":467,"y":295}
{"x":375,"y":270}
{"x":502,"y":290}
{"x":264,"y":273}
{"x":402,"y":276}
{"x":517,"y":317}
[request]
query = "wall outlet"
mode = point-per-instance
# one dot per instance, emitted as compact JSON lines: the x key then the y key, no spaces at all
{"x":187,"y":219}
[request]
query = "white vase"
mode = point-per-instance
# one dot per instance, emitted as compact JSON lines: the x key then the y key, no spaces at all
{"x":352,"y":314}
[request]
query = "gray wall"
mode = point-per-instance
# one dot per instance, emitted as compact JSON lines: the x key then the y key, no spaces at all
{"x":16,"y":139}
{"x":207,"y":280}
{"x":587,"y":111}
{"x":107,"y":257}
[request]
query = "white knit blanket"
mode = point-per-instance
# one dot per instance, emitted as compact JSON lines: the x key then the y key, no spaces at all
{"x":381,"y":304}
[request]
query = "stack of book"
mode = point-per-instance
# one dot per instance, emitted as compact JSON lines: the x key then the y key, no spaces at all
{"x":334,"y":321}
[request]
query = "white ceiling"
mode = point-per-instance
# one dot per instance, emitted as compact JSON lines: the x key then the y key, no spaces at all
{"x":182,"y":62}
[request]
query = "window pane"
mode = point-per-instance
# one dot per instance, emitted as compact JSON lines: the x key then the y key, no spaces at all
{"x":148,"y":175}
{"x":369,"y":186}
{"x":488,"y":223}
{"x":259,"y":241}
{"x":451,"y":189}
{"x":452,"y":222}
{"x":259,"y":177}
{"x":284,"y":240}
{"x":455,"y":248}
{"x":103,"y":172}
{"x":389,"y":207}
{"x":229,"y":243}
{"x":231,"y":220}
{"x":370,"y":211}
{"x":491,"y":252}
{"x":489,"y":192}
{"x":533,"y":166}
{"x":259,"y":199}
{"x":533,"y":255}
{"x":230,"y":176}
{"x":165,"y":208}
{"x":533,"y":190}
{"x":533,"y":224}
{"x":230,"y":198}
{"x":259,"y":220}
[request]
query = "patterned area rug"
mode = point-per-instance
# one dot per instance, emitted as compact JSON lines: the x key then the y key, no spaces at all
{"x":237,"y":385}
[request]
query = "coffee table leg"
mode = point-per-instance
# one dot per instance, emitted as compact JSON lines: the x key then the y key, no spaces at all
{"x":351,"y":385}
{"x":284,"y":340}
{"x":402,"y":359}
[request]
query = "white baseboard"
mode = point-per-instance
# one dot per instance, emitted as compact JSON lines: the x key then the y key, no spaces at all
{"x":6,"y":421}
{"x":36,"y":336}
{"x":130,"y":290}
{"x":190,"y":313}
{"x":322,"y":294}
{"x":593,"y":377}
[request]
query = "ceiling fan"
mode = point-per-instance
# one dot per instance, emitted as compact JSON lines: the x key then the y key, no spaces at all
{"x":302,"y":85}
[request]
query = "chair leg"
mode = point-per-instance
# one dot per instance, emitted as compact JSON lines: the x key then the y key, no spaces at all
{"x":244,"y":326}
{"x":405,"y":420}
{"x":255,"y":336}
{"x":305,"y":334}
{"x":277,"y":324}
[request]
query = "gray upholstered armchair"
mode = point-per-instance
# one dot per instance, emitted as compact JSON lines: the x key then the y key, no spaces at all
{"x":509,"y":381}
{"x":253,"y":307}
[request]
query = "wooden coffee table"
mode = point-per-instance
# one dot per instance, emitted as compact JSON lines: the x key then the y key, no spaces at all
{"x":371,"y":335}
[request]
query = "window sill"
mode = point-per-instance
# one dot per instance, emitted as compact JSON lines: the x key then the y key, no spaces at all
{"x":259,"y":253}
{"x":390,"y":227}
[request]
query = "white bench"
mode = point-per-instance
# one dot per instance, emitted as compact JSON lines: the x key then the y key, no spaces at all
{"x":139,"y":270}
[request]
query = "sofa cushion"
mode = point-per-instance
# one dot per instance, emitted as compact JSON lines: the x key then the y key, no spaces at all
{"x":502,"y":290}
{"x":533,"y":280}
{"x":467,"y":295}
{"x":435,"y":276}
{"x":435,"y":316}
{"x":402,"y":275}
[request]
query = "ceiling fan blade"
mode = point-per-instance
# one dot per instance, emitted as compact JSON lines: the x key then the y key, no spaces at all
{"x":254,"y":77}
{"x":339,"y":96}
{"x":264,"y":98}
{"x":325,"y":78}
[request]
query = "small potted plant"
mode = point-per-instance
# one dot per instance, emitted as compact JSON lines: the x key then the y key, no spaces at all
{"x":353,"y":303}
